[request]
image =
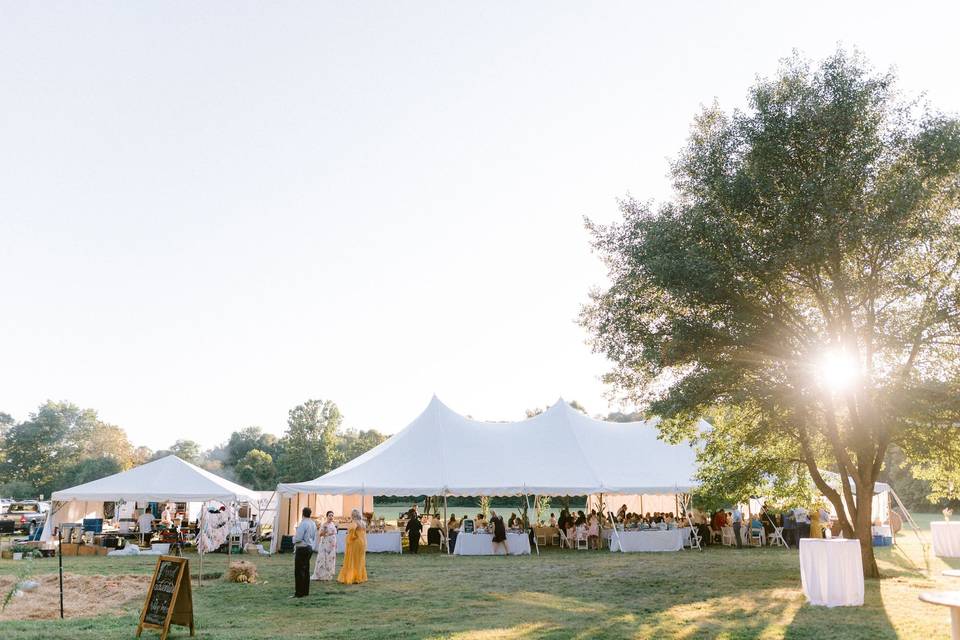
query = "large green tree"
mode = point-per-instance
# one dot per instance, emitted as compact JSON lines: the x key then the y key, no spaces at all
{"x":256,"y":470}
{"x":804,"y":273}
{"x":39,"y":450}
{"x":308,"y":449}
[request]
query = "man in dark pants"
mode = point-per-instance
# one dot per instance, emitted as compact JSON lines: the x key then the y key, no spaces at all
{"x":304,"y":540}
{"x":414,"y":527}
{"x":737,"y":525}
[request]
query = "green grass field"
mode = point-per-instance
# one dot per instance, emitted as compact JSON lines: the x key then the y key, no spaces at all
{"x":721,"y":593}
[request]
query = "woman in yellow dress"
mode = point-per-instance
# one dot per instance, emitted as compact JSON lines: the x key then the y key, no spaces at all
{"x":354,"y":570}
{"x":816,"y":527}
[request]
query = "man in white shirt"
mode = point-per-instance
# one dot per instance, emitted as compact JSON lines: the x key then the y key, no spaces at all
{"x":304,"y":540}
{"x":737,"y":524}
{"x":145,"y":526}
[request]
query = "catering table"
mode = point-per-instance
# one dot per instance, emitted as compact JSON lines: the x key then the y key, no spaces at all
{"x":481,"y":544}
{"x":946,"y":538}
{"x":649,"y":540}
{"x":831,"y":572}
{"x":546,"y":533}
{"x":386,"y":542}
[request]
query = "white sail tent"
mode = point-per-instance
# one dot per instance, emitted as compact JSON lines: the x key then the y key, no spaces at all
{"x":168,"y":478}
{"x":560,"y":452}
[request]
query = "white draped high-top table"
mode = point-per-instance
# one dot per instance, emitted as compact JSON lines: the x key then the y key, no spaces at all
{"x":946,"y":538}
{"x":648,"y":540}
{"x":831,"y":572}
{"x":386,"y":542}
{"x":481,"y":544}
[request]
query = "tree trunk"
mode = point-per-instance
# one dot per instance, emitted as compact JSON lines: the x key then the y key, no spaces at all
{"x":864,"y":531}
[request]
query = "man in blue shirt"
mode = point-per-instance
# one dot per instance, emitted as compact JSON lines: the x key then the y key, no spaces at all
{"x":304,"y":540}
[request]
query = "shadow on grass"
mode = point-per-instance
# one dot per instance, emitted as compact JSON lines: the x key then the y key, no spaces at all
{"x":869,"y":622}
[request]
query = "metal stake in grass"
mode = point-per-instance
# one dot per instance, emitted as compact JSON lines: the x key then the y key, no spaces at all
{"x":60,"y":562}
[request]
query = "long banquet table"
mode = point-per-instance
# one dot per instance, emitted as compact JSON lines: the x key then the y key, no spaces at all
{"x":481,"y":544}
{"x":386,"y":542}
{"x":946,"y":538}
{"x":648,"y":540}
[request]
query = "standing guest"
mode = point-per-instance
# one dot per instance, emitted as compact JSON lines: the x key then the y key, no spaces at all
{"x":570,"y":532}
{"x":737,"y":524}
{"x":304,"y":540}
{"x":824,"y":521}
{"x":354,"y":569}
{"x":414,"y":528}
{"x":803,"y":522}
{"x":499,"y":533}
{"x":593,"y":531}
{"x":581,"y":519}
{"x":452,"y":527}
{"x":622,"y":513}
{"x":789,"y":528}
{"x":145,"y":526}
{"x":326,"y":565}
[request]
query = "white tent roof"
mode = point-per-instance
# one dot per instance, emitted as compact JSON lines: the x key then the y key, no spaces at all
{"x":559,"y":452}
{"x":832,"y":478}
{"x":168,"y":478}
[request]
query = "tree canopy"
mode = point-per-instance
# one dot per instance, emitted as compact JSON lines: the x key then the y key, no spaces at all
{"x":803,"y":280}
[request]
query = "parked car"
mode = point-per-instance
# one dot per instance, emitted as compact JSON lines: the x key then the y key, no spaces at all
{"x":24,"y":516}
{"x":4,"y":503}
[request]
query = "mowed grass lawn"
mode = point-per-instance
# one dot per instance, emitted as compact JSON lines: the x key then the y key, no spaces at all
{"x":721,"y":593}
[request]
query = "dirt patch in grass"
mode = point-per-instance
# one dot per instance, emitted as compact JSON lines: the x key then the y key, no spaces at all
{"x":83,"y":596}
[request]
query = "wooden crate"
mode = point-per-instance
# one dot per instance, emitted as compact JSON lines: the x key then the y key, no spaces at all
{"x":86,"y":550}
{"x":69,"y":548}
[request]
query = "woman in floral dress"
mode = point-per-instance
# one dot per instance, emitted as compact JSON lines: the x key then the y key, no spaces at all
{"x":326,"y":566}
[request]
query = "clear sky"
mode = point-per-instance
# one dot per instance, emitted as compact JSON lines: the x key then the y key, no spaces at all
{"x":210,"y":212}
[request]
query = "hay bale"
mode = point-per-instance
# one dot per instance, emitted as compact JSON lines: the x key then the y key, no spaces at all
{"x":242,"y":571}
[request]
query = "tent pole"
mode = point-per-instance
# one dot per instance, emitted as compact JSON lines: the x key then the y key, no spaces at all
{"x":526,"y":497}
{"x":446,"y":524}
{"x":203,"y":509}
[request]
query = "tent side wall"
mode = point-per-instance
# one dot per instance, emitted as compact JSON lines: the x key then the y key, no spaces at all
{"x":290,"y":506}
{"x":636,"y":503}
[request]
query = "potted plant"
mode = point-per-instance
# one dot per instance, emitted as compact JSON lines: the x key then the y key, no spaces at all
{"x":20,"y":551}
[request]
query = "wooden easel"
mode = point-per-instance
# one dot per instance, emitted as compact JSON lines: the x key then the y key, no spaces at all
{"x":169,"y":598}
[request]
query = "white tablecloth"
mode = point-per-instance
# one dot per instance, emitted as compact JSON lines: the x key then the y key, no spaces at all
{"x":670,"y":540}
{"x":481,"y":544}
{"x":831,"y":572}
{"x":386,"y":542}
{"x":946,"y":538}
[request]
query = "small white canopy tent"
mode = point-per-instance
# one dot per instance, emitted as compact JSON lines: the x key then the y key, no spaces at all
{"x":168,"y":478}
{"x":560,"y":452}
{"x":880,"y":502}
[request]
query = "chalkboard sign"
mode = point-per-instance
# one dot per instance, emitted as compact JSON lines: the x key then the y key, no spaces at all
{"x":169,"y":599}
{"x":468,"y":526}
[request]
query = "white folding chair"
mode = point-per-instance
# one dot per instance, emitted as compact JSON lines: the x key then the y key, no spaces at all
{"x":581,"y":539}
{"x":756,"y":536}
{"x":541,"y":537}
{"x":776,"y":538}
{"x":564,"y":541}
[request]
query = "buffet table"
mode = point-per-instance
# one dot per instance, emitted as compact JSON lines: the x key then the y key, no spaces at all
{"x":386,"y":542}
{"x":648,"y":540}
{"x":831,"y":572}
{"x":481,"y":544}
{"x":946,"y":538}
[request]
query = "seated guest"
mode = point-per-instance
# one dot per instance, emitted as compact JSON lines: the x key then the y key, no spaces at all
{"x":553,"y":520}
{"x":622,"y":513}
{"x":514,"y":521}
{"x":668,"y":520}
{"x":581,"y":518}
{"x":166,"y":518}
